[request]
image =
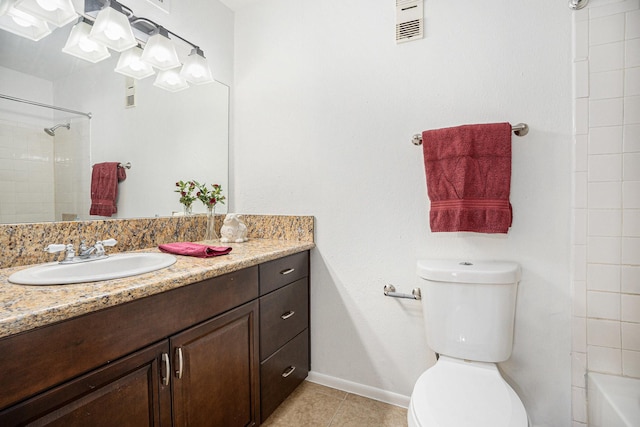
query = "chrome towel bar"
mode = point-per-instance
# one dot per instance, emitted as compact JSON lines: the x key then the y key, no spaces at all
{"x":390,"y":291}
{"x":521,"y":129}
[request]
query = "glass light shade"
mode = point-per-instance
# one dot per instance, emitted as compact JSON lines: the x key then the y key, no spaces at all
{"x":80,"y":45}
{"x":55,"y":12}
{"x":170,"y":80}
{"x":160,"y":52}
{"x":22,"y":24}
{"x":130,"y":64}
{"x":113,"y":30}
{"x":196,"y":69}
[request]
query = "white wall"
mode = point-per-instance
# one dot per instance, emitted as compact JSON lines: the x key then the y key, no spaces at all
{"x":325,"y":107}
{"x":606,"y":280}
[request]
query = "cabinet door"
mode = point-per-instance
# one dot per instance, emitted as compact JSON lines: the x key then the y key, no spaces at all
{"x":216,"y":366}
{"x":127,"y":392}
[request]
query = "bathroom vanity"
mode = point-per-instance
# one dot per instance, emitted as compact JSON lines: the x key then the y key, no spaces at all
{"x":216,"y":342}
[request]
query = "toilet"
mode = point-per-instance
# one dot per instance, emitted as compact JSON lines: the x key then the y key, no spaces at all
{"x":469,"y":310}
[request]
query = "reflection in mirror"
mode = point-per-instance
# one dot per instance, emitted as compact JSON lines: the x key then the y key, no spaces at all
{"x":165,"y":136}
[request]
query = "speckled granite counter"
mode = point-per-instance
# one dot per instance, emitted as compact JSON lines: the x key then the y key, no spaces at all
{"x":27,"y":307}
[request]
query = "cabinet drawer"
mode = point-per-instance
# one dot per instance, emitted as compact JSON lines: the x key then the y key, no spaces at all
{"x":283,"y":315}
{"x":283,"y":372}
{"x":279,"y":272}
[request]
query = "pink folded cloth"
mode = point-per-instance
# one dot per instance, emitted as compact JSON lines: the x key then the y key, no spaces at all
{"x":194,"y":249}
{"x":468,"y":171}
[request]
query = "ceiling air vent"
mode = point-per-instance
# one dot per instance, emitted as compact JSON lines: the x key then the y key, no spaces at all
{"x":409,"y":20}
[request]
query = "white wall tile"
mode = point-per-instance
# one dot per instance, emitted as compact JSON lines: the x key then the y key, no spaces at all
{"x":579,"y":404}
{"x":578,"y":369}
{"x":580,"y":226}
{"x":631,"y":222}
{"x":603,"y":333}
{"x":606,"y":29}
{"x":632,"y":27}
{"x":631,"y":250}
{"x":607,"y":140}
{"x":630,"y":308}
{"x":631,"y":167}
{"x":605,"y":195}
{"x":579,"y":334}
{"x":602,"y":305}
{"x":630,"y":282}
{"x":580,"y":152}
{"x":631,"y":363}
{"x":607,"y":57}
{"x":631,"y":53}
{"x":580,"y":190}
{"x":581,"y":79}
{"x":605,"y":167}
{"x":603,"y":277}
{"x":580,"y":262}
{"x":579,"y":300}
{"x":581,"y":116}
{"x":630,"y":336}
{"x":632,"y":81}
{"x":604,"y":359}
{"x":606,"y":84}
{"x":603,"y":250}
{"x":612,"y":8}
{"x":606,"y":112}
{"x":631,"y":138}
{"x":630,"y":194}
{"x":632,"y":108}
{"x":581,"y":40}
{"x":605,"y":222}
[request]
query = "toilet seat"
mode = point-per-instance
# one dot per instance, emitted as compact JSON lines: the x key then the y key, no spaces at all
{"x":458,"y":393}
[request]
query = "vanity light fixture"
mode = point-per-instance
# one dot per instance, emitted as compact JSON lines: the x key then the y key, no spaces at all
{"x":160,"y":51}
{"x":170,"y":80}
{"x":56,"y":12}
{"x":112,"y":28}
{"x":80,"y":45}
{"x":20,"y":23}
{"x":196,"y":69}
{"x":131,"y":64}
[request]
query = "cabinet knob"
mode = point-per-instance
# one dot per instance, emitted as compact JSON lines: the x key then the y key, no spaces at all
{"x":288,"y":371}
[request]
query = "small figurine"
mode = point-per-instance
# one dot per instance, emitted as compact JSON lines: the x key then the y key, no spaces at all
{"x":233,"y":229}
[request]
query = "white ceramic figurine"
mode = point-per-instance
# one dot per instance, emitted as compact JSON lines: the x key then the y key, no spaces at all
{"x":233,"y":229}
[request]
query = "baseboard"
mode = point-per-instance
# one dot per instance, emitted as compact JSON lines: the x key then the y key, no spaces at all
{"x":360,"y":389}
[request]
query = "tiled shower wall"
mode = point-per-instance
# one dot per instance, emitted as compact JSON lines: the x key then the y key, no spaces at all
{"x":606,"y":205}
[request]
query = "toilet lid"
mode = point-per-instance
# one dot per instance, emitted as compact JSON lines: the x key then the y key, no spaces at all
{"x":455,"y":393}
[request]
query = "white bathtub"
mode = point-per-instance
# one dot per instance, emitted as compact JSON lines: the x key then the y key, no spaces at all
{"x":613,"y":401}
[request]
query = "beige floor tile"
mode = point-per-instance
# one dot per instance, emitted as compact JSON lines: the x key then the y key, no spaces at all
{"x":305,"y":407}
{"x":309,"y":387}
{"x":358,"y":411}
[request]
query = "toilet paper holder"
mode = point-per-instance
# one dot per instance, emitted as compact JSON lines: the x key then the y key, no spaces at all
{"x":390,"y":291}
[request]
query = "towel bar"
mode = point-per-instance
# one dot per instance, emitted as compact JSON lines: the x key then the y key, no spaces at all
{"x":390,"y":291}
{"x":521,"y":129}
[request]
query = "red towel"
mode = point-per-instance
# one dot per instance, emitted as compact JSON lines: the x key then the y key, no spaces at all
{"x":104,"y":188}
{"x":194,"y":249}
{"x":468,"y":170}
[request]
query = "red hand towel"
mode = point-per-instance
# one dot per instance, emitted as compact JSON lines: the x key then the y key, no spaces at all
{"x":468,"y":170}
{"x":194,"y":249}
{"x":104,"y":188}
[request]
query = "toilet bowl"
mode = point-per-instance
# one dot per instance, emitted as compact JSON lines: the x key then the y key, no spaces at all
{"x":457,"y":393}
{"x":469,"y":310}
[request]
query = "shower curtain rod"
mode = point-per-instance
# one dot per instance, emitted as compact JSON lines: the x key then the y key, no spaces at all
{"x":53,"y":107}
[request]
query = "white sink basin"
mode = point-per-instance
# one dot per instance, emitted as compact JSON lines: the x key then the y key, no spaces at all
{"x":114,"y":267}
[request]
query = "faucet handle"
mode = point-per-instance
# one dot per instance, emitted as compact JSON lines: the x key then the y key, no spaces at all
{"x":52,"y":249}
{"x":108,"y":242}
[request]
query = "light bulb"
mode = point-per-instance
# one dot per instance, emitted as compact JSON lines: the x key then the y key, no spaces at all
{"x":48,"y":5}
{"x":113,"y":32}
{"x":87,"y":45}
{"x":21,"y":22}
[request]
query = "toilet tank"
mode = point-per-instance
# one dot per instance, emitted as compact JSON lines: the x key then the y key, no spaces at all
{"x":469,"y":307}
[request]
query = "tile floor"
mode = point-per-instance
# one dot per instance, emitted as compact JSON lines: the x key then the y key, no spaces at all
{"x":314,"y":405}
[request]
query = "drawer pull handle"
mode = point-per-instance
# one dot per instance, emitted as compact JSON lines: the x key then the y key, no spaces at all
{"x":288,"y":371}
{"x":287,"y":271}
{"x":166,"y":369}
{"x":179,"y":357}
{"x":287,"y":315}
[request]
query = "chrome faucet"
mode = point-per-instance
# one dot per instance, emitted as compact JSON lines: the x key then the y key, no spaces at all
{"x":86,"y":253}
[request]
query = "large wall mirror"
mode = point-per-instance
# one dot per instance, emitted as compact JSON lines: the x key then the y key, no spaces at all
{"x":165,"y":136}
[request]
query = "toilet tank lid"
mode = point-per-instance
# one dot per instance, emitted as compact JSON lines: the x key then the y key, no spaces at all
{"x":457,"y":271}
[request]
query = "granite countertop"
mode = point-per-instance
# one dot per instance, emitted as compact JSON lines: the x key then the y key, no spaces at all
{"x":27,"y":307}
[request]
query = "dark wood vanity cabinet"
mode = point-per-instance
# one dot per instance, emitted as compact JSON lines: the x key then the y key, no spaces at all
{"x":284,"y":329}
{"x":207,"y":354}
